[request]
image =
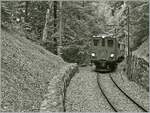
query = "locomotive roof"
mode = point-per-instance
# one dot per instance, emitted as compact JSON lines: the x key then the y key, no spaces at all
{"x":103,"y":35}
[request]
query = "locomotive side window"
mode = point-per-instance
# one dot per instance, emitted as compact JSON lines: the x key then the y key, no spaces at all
{"x":110,"y":43}
{"x":118,"y":45}
{"x":95,"y":41}
{"x":122,"y":47}
{"x":103,"y":42}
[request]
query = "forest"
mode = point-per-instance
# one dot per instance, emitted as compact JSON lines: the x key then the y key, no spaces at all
{"x":46,"y":59}
{"x":66,"y":27}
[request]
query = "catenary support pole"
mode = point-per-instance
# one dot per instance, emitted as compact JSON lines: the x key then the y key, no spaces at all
{"x":129,"y":51}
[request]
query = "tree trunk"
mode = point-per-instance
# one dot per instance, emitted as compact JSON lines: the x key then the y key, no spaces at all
{"x":26,"y":10}
{"x":45,"y":27}
{"x":45,"y":30}
{"x":55,"y":24}
{"x":83,"y":4}
{"x":55,"y":16}
{"x":60,"y":30}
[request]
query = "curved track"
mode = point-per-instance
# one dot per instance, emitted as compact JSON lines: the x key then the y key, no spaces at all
{"x":99,"y":84}
{"x":105,"y":95}
{"x":127,"y":95}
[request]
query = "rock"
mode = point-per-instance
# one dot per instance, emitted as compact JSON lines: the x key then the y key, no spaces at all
{"x":58,"y":85}
{"x":140,"y":71}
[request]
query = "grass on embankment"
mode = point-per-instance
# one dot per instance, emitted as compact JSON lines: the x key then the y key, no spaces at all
{"x":26,"y":70}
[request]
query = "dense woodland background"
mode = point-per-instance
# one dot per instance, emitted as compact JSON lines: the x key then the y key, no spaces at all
{"x":28,"y":70}
{"x":39,"y":22}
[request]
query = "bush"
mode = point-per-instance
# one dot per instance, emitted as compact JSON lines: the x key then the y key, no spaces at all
{"x":50,"y":46}
{"x":73,"y":54}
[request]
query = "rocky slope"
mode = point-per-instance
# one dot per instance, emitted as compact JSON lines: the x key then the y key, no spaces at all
{"x":143,"y":51}
{"x":139,"y":65}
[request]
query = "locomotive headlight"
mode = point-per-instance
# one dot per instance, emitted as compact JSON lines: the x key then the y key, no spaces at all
{"x":93,"y":54}
{"x":112,"y":55}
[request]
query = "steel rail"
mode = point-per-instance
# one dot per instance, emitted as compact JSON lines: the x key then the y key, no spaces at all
{"x":127,"y":95}
{"x":104,"y":94}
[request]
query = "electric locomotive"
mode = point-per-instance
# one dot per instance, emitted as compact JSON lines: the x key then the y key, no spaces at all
{"x":106,"y":52}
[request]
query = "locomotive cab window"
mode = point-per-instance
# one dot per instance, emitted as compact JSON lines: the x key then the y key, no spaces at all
{"x":110,"y":43}
{"x":95,"y":42}
{"x":122,"y":47}
{"x":118,"y":45}
{"x":103,"y":42}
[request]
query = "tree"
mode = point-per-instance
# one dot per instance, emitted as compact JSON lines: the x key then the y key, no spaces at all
{"x":26,"y":10}
{"x":138,"y":20}
{"x":5,"y":13}
{"x":55,"y":25}
{"x":60,"y":30}
{"x":45,"y":30}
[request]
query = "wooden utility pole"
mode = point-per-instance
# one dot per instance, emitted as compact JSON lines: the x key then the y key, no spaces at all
{"x":116,"y":42}
{"x":129,"y":51}
{"x":60,"y":30}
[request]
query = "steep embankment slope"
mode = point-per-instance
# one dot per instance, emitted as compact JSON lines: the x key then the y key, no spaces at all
{"x":143,"y":51}
{"x":26,"y":71}
{"x":140,"y":65}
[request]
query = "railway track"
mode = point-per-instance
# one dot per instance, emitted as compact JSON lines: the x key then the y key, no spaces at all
{"x":105,"y":96}
{"x":110,"y":102}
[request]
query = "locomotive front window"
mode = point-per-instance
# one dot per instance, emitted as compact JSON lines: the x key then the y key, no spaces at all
{"x":103,"y":42}
{"x":118,"y":45}
{"x":110,"y":43}
{"x":95,"y":41}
